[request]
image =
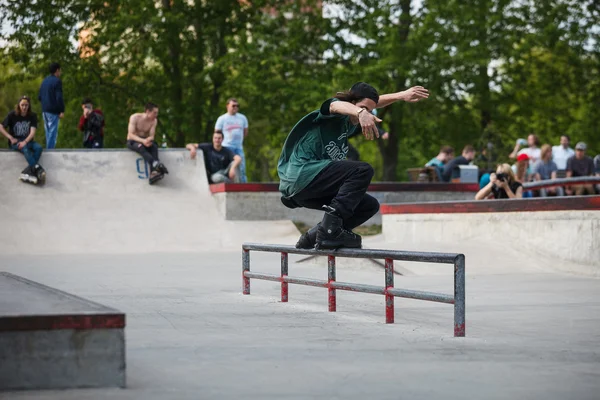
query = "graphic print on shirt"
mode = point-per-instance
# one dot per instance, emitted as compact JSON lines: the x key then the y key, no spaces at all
{"x":21,"y":129}
{"x":334,"y":151}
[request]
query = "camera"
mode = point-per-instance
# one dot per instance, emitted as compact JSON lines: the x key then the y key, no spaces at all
{"x":501,"y":176}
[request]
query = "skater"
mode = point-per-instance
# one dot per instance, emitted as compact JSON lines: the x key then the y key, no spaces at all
{"x":22,"y":125}
{"x":140,"y":138}
{"x":315,"y":174}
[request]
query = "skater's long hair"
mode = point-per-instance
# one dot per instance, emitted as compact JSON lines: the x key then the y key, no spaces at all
{"x":348,"y":96}
{"x":18,"y":107}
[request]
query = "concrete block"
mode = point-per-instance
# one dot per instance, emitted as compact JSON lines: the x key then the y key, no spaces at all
{"x":50,"y":339}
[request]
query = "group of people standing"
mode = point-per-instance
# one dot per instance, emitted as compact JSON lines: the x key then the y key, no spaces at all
{"x":225,"y":159}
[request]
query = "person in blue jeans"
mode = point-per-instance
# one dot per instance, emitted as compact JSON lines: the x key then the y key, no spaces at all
{"x":234,"y":127}
{"x":53,"y":105}
{"x":19,"y":128}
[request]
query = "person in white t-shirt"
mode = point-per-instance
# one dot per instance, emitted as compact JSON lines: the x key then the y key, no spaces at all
{"x":560,"y":154}
{"x":234,"y":127}
{"x":533,"y":150}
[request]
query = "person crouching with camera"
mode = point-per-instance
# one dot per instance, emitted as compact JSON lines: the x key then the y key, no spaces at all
{"x":503,"y":185}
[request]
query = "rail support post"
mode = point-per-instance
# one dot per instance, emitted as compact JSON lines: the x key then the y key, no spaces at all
{"x":459,"y":296}
{"x":245,"y":268}
{"x":389,"y":284}
{"x":331,"y":278}
{"x":284,"y":274}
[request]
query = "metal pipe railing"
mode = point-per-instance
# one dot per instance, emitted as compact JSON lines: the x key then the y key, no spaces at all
{"x":389,"y":291}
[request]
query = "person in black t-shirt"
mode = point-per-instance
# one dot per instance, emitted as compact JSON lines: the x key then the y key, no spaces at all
{"x":580,"y":165}
{"x":19,"y":128}
{"x":221,"y":164}
{"x":503,"y":185}
{"x":452,"y":170}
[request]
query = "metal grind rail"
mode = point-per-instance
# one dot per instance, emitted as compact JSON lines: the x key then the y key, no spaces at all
{"x":389,"y":291}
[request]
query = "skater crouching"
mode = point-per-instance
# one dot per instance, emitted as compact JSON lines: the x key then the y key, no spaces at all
{"x":140,"y":138}
{"x":22,"y":125}
{"x":314,"y":172}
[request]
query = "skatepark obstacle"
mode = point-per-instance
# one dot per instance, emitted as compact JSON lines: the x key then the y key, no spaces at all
{"x":389,"y":291}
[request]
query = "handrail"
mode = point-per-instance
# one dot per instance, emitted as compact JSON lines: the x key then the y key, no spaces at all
{"x":579,"y":180}
{"x":458,"y":260}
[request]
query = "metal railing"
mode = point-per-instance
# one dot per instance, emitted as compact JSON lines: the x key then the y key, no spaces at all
{"x":389,"y":291}
{"x":579,"y":180}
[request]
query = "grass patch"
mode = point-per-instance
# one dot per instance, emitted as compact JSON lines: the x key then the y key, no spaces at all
{"x":361,"y":230}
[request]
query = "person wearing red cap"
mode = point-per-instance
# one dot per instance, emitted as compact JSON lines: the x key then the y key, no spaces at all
{"x":522,"y":168}
{"x":522,"y":171}
{"x":314,"y":172}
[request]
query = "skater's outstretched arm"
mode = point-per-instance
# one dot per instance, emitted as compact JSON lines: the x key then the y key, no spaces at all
{"x":367,"y":120}
{"x":412,"y":95}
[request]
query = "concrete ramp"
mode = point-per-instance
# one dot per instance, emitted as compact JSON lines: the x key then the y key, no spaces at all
{"x":100,"y":202}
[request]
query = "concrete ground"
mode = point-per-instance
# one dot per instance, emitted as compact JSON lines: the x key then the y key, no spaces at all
{"x":191,"y":334}
{"x":533,"y":332}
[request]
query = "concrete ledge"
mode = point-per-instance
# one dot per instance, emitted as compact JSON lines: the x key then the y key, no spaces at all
{"x":262,"y":201}
{"x":50,"y":339}
{"x":374,"y":187}
{"x":494,"y":206}
{"x":561,"y":228}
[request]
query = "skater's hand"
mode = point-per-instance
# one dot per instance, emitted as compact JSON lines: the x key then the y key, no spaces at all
{"x":415,"y":93}
{"x":147,"y":142}
{"x":193,"y":153}
{"x":367,"y":122}
{"x":21,"y":145}
{"x":13,"y":140}
{"x":61,"y":115}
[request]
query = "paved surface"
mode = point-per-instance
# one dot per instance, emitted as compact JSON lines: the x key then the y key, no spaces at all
{"x":100,"y":202}
{"x":532,"y":333}
{"x":192,"y":335}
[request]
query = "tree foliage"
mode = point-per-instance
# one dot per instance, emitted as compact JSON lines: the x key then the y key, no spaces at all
{"x":496,"y":69}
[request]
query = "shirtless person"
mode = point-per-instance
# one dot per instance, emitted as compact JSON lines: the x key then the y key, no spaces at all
{"x":140,"y":138}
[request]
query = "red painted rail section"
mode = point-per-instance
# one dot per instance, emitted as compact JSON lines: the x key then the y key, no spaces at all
{"x":503,"y":205}
{"x":389,"y":291}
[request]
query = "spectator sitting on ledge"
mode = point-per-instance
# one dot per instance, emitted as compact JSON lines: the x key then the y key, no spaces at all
{"x":580,"y":165}
{"x":545,"y":169}
{"x":446,"y":153}
{"x":222,"y":165}
{"x":523,"y":172}
{"x":451,"y":169}
{"x":503,"y":185}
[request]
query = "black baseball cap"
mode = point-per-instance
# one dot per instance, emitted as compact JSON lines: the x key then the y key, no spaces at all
{"x":365,"y":91}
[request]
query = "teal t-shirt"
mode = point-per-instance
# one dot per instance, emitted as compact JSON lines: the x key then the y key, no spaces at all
{"x":434,"y":162}
{"x":317,"y":140}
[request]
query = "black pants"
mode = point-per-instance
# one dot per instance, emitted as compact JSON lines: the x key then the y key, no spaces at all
{"x":150,"y":154}
{"x":94,"y":143}
{"x":342,"y":185}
